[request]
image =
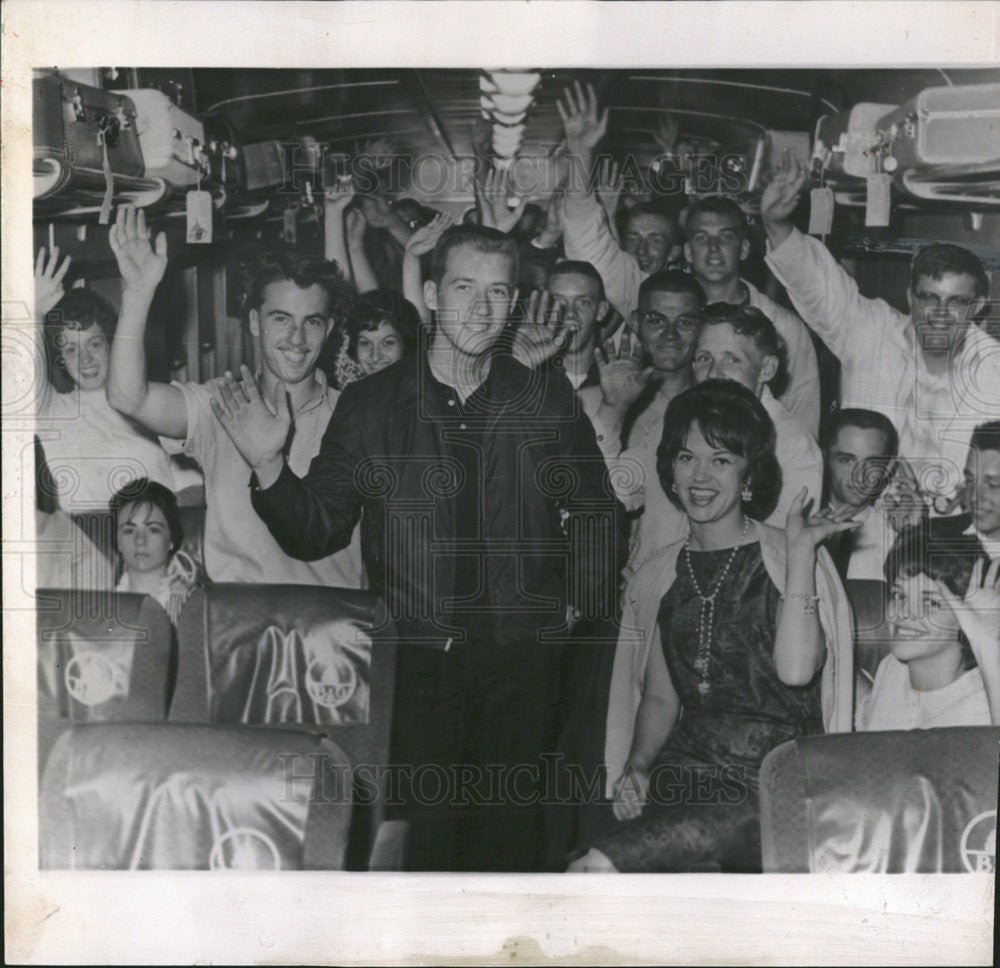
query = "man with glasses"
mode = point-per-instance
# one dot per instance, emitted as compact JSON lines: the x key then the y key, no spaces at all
{"x":934,"y":372}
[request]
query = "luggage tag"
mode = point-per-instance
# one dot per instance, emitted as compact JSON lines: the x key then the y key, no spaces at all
{"x":878,"y":200}
{"x":820,"y":211}
{"x":199,"y":216}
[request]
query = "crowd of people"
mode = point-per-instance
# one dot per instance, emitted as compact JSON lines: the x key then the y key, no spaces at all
{"x":588,"y":466}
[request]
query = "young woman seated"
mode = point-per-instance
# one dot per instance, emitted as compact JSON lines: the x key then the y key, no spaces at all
{"x":148,"y":537}
{"x":944,"y":615}
{"x":735,"y":639}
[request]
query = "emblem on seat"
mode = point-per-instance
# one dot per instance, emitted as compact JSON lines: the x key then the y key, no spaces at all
{"x":979,"y":843}
{"x":92,"y":678}
{"x":331,"y":681}
{"x":244,"y":849}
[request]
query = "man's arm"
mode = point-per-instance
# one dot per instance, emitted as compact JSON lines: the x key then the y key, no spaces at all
{"x":824,"y":294}
{"x":587,"y":234}
{"x":157,"y":406}
{"x":49,"y":291}
{"x":334,"y":246}
{"x":313,"y":516}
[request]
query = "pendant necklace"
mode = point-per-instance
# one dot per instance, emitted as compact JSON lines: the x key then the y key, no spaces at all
{"x":706,"y":614}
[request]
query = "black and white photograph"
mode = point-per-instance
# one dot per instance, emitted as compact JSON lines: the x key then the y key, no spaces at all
{"x":467,"y":471}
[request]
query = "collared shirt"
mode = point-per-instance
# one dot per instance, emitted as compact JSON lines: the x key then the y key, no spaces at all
{"x":884,"y":370}
{"x":238,"y":546}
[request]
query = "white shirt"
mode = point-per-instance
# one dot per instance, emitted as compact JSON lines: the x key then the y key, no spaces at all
{"x":895,"y":704}
{"x":238,"y":545}
{"x":991,"y":545}
{"x":92,"y":450}
{"x":884,"y":370}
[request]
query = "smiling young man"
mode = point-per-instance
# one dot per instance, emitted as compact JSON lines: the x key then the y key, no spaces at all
{"x":486,"y":527}
{"x":291,"y":302}
{"x":932,"y":371}
{"x":718,"y":243}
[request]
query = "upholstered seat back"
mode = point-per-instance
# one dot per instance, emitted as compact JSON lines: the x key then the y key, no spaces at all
{"x":921,"y":801}
{"x":162,"y":796}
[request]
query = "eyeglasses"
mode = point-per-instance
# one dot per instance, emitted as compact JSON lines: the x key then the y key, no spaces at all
{"x":685,"y":324}
{"x":955,"y":304}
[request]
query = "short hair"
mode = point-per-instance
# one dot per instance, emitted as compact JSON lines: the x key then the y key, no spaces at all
{"x":672,"y":280}
{"x":653,"y":208}
{"x":730,"y":416}
{"x":283,"y":263}
{"x":144,"y":491}
{"x":863,"y":420}
{"x":371,"y":309}
{"x":950,"y":559}
{"x":577,"y":267}
{"x":986,"y":436}
{"x":749,"y":321}
{"x":718,"y":205}
{"x":79,"y":309}
{"x":942,"y":258}
{"x":478,"y":237}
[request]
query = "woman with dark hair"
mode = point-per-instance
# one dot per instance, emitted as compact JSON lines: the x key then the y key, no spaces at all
{"x":382,"y":327}
{"x":148,"y":536}
{"x":734,"y":639}
{"x":87,"y":444}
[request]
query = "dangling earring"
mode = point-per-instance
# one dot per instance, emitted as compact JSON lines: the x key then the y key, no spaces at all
{"x":746,"y":495}
{"x":673,"y":487}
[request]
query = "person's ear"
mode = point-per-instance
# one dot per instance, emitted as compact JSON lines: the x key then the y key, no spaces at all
{"x":431,"y":295}
{"x":744,"y":250}
{"x":632,"y":322}
{"x":329,"y":328}
{"x":513,"y":301}
{"x":255,"y":322}
{"x":909,"y":299}
{"x":602,"y":308}
{"x":768,"y":369}
{"x":976,"y":308}
{"x":687,"y":252}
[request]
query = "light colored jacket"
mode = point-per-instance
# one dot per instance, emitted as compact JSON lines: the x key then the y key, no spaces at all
{"x":641,"y":603}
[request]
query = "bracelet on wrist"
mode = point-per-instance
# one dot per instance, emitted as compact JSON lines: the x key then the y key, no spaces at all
{"x":809,"y":602}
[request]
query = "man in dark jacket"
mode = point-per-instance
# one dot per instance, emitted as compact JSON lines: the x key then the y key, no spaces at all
{"x":489,"y":528}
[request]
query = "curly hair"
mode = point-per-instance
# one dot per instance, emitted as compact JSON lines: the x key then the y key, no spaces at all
{"x":371,"y":309}
{"x":729,"y":416}
{"x":79,"y":309}
{"x":278,"y":264}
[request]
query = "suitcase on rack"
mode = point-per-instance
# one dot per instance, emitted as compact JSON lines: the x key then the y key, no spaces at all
{"x":73,"y":124}
{"x":172,"y":141}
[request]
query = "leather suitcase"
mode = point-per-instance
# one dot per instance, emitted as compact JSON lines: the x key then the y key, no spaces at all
{"x":957,"y":125}
{"x":172,"y":141}
{"x":72,"y":123}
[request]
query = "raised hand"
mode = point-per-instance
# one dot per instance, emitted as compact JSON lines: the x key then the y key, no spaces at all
{"x":903,"y":501}
{"x":140,"y":261}
{"x":804,"y":530}
{"x":979,"y":612}
{"x":622,"y":375}
{"x":583,"y":125}
{"x":259,"y":434}
{"x":542,"y":335}
{"x":781,"y":196}
{"x":424,"y":239}
{"x":630,"y":793}
{"x":339,"y":197}
{"x":553,"y":229}
{"x":494,"y":196}
{"x":49,"y":280}
{"x":666,"y":134}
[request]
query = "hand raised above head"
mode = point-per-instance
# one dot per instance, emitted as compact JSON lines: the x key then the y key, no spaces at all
{"x":140,"y":261}
{"x":49,"y":280}
{"x":426,"y":237}
{"x":781,"y":196}
{"x":583,"y":125}
{"x":258,"y":434}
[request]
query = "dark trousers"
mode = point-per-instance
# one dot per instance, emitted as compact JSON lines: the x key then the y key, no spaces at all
{"x":470,"y":727}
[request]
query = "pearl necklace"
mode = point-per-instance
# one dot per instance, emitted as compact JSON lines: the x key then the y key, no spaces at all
{"x":706,"y":614}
